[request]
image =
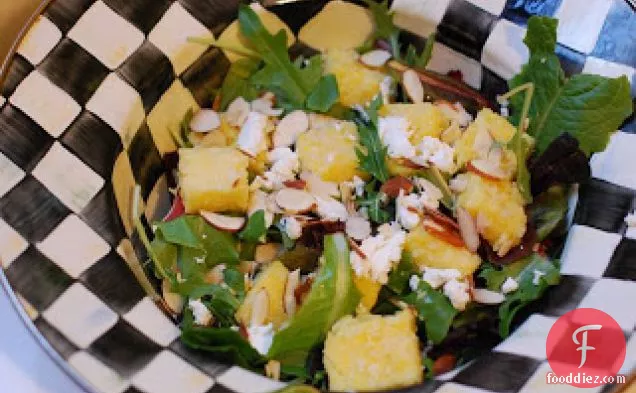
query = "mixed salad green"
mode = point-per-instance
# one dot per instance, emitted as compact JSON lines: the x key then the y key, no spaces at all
{"x":304,"y":259}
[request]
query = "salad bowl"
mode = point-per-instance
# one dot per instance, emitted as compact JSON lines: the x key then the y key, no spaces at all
{"x":89,"y":103}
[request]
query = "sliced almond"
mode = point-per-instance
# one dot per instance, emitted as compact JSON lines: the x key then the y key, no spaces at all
{"x":358,"y":228}
{"x":289,"y":128}
{"x":318,"y":187}
{"x":356,"y":248}
{"x":174,"y":301}
{"x":394,"y":185}
{"x":487,"y":169}
{"x":376,"y":58}
{"x":482,"y":222}
{"x":468,"y":229}
{"x":205,"y":120}
{"x":295,"y":201}
{"x":265,"y":105}
{"x":485,"y":296}
{"x":450,"y":237}
{"x":266,"y":252}
{"x":293,"y":279}
{"x":271,"y":205}
{"x":223,"y":222}
{"x":413,"y":86}
{"x":237,"y":112}
{"x":260,"y":308}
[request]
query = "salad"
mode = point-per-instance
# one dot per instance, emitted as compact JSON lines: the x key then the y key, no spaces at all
{"x":346,"y":219}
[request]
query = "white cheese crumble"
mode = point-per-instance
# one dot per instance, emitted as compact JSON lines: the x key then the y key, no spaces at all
{"x":381,"y":252}
{"x":536,"y":279}
{"x":457,"y":114}
{"x":251,"y":139}
{"x":261,"y":337}
{"x":414,"y":282}
{"x":630,"y":220}
{"x":292,"y":227}
{"x":510,"y":285}
{"x":358,"y":186}
{"x":433,"y":151}
{"x":438,"y":277}
{"x":331,"y":209}
{"x":394,"y":133}
{"x":459,"y":183}
{"x":258,"y":201}
{"x":457,"y":293}
{"x":407,"y":210}
{"x":202,"y":316}
{"x":285,"y":165}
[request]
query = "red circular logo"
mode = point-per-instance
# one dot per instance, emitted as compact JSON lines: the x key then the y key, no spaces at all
{"x":585,"y":348}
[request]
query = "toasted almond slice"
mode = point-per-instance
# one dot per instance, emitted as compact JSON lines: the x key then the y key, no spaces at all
{"x":394,"y":185}
{"x":205,"y":120}
{"x":271,"y":205}
{"x":358,"y":228}
{"x":376,"y":58}
{"x":356,"y":248}
{"x":266,"y":252}
{"x":468,"y":229}
{"x":484,"y":296}
{"x":289,"y":128}
{"x":295,"y":201}
{"x":318,"y":187}
{"x":293,"y":279}
{"x":487,"y":169}
{"x":237,"y":112}
{"x":442,"y":233}
{"x":173,"y":300}
{"x":223,"y":222}
{"x":413,"y":86}
{"x":260,"y":308}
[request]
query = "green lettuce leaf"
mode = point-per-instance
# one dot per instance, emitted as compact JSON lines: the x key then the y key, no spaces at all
{"x":548,"y":211}
{"x":433,"y":309}
{"x":255,"y":227}
{"x":332,"y":296}
{"x":589,"y":107}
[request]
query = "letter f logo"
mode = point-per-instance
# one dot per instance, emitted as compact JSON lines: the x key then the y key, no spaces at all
{"x":584,"y":347}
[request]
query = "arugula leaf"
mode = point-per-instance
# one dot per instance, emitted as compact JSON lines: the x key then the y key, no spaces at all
{"x":225,"y":343}
{"x":401,"y":274}
{"x":237,"y":82}
{"x":374,"y":203}
{"x":332,"y":296}
{"x":291,"y":83}
{"x":548,"y":211}
{"x":589,"y":107}
{"x":434,"y":309}
{"x":523,"y":272}
{"x":255,"y":227}
{"x":199,"y":239}
{"x":372,"y":154}
{"x":324,"y":95}
{"x":384,"y":26}
{"x":420,"y":61}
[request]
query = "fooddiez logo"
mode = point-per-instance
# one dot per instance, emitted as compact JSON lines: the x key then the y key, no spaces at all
{"x":585,"y":348}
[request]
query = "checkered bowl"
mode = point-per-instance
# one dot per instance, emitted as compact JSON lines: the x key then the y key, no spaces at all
{"x":85,"y":111}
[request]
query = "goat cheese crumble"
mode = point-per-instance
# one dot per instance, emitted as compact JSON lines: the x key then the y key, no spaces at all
{"x":381,"y":252}
{"x":261,"y":337}
{"x":202,"y":316}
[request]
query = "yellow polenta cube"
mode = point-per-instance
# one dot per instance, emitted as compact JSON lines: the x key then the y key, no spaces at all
{"x":499,"y":129}
{"x":373,"y":352}
{"x":427,"y":250}
{"x":357,"y":83}
{"x":273,"y":281}
{"x":497,"y":207}
{"x":369,"y":290}
{"x":213,"y":179}
{"x":425,"y":118}
{"x":330,"y":151}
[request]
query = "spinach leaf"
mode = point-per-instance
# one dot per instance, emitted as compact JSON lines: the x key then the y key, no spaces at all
{"x":332,"y":296}
{"x":255,"y":227}
{"x":434,"y":309}
{"x":589,"y":107}
{"x":235,"y":280}
{"x":401,"y":274}
{"x":165,"y":257}
{"x":291,"y":83}
{"x":324,"y":95}
{"x":225,"y":344}
{"x":534,"y":274}
{"x":372,"y":154}
{"x":237,"y":82}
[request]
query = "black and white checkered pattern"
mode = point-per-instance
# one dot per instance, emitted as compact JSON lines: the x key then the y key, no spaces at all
{"x":85,"y":114}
